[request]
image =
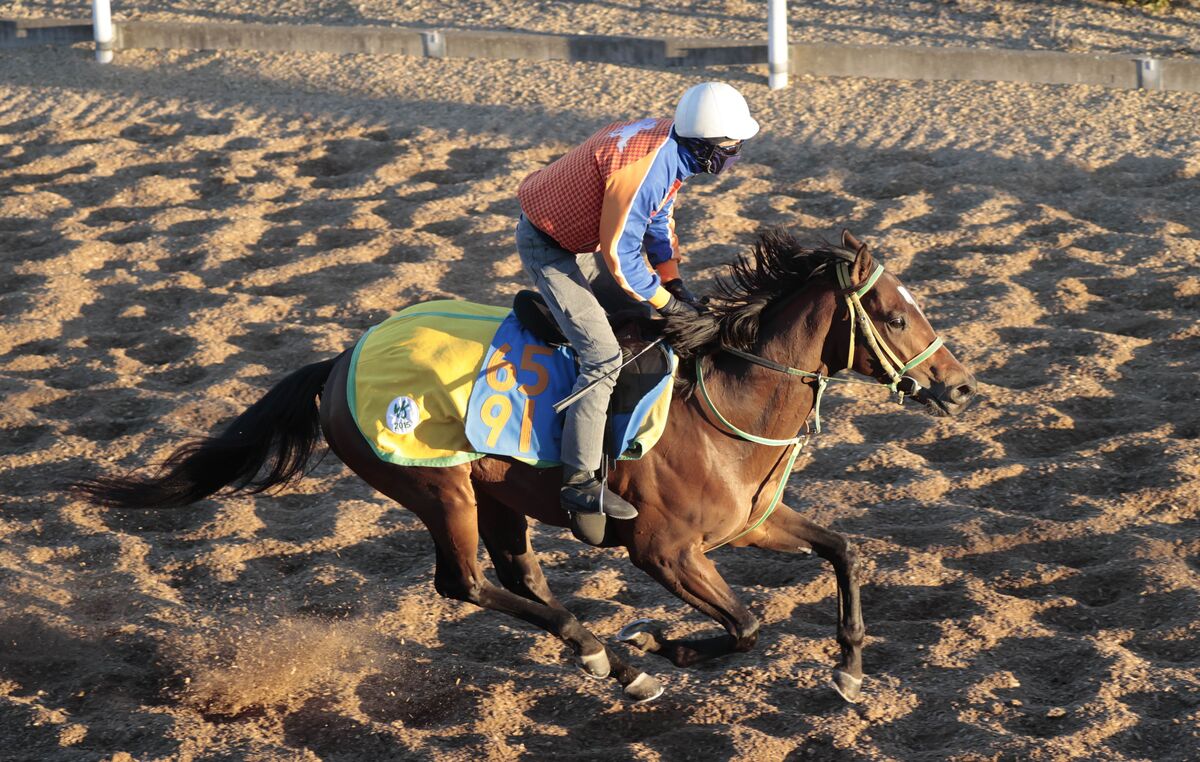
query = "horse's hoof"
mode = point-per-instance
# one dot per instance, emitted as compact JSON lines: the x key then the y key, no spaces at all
{"x":595,"y":665}
{"x":637,"y":633}
{"x":847,"y":685}
{"x":644,"y":689}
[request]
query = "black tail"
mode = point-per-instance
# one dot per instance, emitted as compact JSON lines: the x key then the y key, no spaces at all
{"x":275,"y":437}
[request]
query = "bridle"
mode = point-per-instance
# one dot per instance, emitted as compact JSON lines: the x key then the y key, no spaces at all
{"x":894,"y":370}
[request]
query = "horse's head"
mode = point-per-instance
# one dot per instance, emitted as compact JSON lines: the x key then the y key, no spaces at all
{"x":892,"y":341}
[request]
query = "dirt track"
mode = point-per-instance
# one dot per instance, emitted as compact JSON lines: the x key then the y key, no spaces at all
{"x":179,"y":231}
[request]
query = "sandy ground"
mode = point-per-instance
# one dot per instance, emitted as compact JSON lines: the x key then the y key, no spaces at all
{"x":1103,"y":26}
{"x":178,"y":231}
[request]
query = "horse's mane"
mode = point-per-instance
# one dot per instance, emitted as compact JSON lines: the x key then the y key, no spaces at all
{"x":776,"y":267}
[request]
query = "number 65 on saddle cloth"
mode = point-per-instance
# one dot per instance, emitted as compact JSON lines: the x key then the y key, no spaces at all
{"x":447,"y":382}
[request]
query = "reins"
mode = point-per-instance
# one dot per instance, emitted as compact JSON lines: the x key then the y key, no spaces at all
{"x":893,"y":367}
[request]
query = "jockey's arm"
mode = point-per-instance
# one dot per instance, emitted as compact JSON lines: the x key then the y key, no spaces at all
{"x":662,"y":245}
{"x":630,"y":199}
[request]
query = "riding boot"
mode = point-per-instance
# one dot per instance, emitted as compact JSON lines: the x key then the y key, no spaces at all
{"x":588,"y":504}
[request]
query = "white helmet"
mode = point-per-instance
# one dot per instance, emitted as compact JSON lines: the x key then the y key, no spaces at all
{"x":714,"y":110}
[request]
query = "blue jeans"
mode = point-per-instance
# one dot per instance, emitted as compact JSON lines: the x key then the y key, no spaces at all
{"x":559,"y":276}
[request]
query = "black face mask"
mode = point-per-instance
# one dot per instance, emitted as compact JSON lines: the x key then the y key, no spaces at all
{"x":713,"y":159}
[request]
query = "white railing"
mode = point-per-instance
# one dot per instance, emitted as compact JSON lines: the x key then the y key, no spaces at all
{"x":103,"y":27}
{"x":777,"y":44}
{"x":777,"y":38}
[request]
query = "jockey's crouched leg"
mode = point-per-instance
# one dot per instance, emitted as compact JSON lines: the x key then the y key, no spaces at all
{"x":558,"y":277}
{"x":583,"y":496}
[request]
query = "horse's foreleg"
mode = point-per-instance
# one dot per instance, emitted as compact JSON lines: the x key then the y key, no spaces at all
{"x":506,"y":537}
{"x":690,"y":575}
{"x":790,"y":532}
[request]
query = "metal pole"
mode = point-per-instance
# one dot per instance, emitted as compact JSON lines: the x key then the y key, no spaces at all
{"x":103,"y":29}
{"x":777,"y":44}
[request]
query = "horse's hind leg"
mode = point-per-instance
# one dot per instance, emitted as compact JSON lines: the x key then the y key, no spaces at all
{"x":444,"y":499}
{"x":790,"y":532}
{"x":506,"y":537}
{"x":690,"y":575}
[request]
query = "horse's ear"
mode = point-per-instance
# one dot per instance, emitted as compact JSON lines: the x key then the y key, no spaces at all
{"x":864,"y":263}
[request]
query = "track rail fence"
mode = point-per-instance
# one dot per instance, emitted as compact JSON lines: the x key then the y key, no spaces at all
{"x":816,"y":59}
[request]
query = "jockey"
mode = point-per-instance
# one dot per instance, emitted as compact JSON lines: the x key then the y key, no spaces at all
{"x":615,"y":193}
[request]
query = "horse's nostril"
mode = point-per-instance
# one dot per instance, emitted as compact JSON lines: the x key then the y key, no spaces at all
{"x":962,"y":393}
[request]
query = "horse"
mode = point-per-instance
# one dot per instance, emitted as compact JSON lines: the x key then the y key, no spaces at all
{"x":782,"y":322}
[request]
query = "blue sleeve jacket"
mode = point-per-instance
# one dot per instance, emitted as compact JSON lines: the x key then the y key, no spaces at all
{"x":639,"y":202}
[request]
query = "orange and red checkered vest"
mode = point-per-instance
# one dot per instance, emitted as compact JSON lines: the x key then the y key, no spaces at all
{"x":615,"y":192}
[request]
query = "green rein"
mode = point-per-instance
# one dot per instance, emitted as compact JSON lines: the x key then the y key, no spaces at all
{"x":861,"y":321}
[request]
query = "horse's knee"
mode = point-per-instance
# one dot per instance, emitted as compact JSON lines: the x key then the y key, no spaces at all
{"x":850,"y":558}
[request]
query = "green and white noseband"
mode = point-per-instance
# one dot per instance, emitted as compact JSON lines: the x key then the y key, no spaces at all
{"x":894,"y":368}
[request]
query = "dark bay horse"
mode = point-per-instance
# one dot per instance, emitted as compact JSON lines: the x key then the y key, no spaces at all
{"x":787,"y":318}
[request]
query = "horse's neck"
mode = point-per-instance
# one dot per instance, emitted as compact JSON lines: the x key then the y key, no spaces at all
{"x":778,"y":404}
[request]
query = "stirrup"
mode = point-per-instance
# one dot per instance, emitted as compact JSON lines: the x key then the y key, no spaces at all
{"x":588,"y":527}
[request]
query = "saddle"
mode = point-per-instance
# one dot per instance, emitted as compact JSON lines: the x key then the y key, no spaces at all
{"x":635,"y":381}
{"x":531,"y":309}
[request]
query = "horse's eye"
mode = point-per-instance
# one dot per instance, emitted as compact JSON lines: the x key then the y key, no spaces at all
{"x":897,"y":322}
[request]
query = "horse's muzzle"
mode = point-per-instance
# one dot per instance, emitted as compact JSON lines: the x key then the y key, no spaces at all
{"x":948,"y":399}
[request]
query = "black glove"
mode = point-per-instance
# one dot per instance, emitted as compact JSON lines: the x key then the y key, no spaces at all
{"x":680,"y":291}
{"x":679,"y":308}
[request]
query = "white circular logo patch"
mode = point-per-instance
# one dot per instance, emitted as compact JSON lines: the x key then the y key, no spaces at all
{"x":403,"y":415}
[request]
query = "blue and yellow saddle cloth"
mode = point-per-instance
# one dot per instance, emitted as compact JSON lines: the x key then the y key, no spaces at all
{"x":447,"y":382}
